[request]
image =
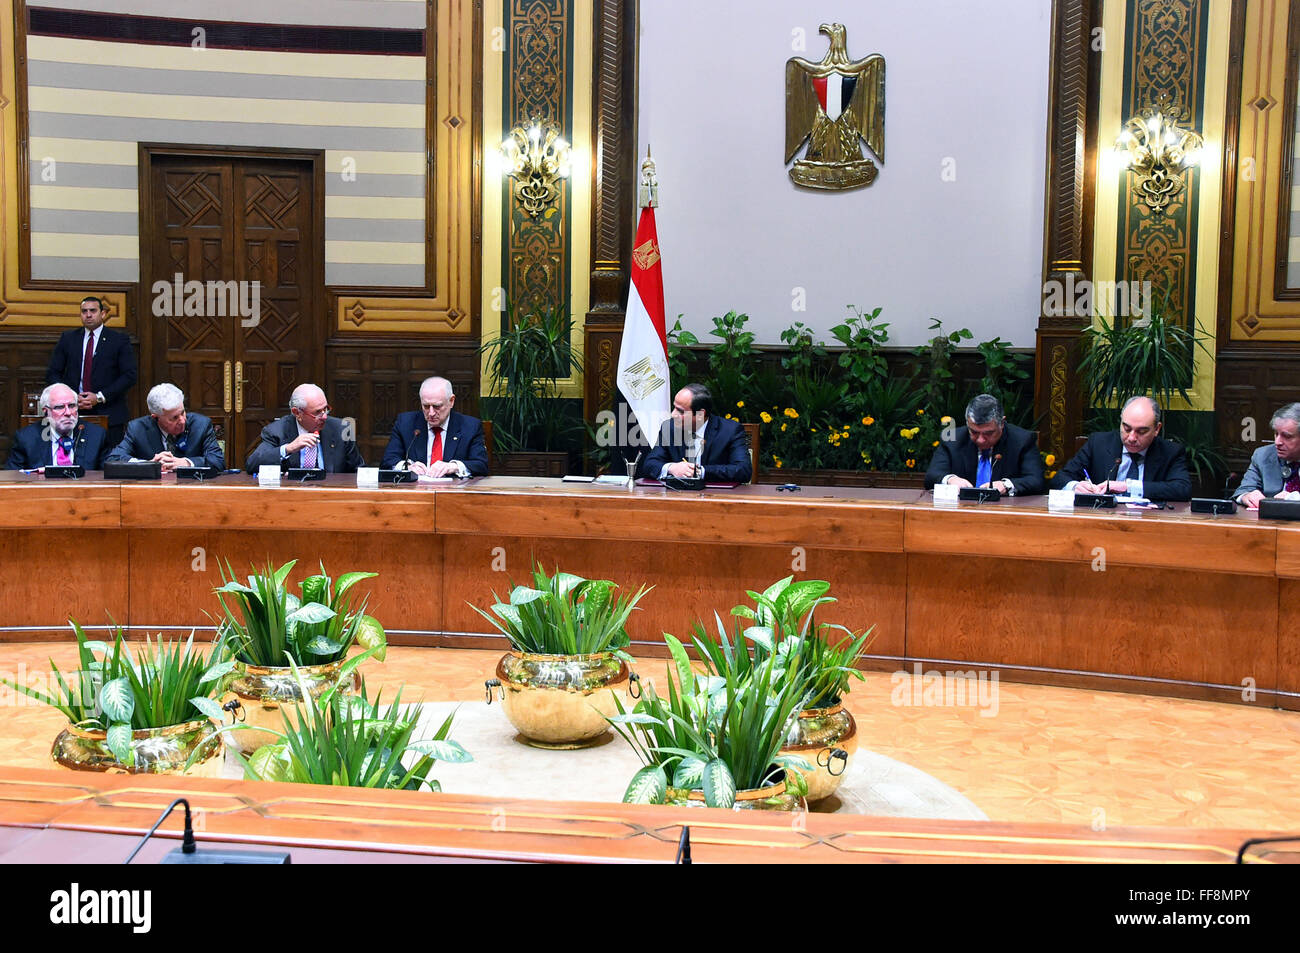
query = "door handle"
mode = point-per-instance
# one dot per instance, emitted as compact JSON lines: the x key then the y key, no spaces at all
{"x":239,"y":387}
{"x":225,"y":378}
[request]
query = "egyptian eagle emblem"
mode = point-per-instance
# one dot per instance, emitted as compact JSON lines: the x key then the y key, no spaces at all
{"x":834,"y":106}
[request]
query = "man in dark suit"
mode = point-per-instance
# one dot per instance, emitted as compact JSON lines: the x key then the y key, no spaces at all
{"x":99,"y":364}
{"x":308,"y":438}
{"x":1135,"y":461}
{"x":1274,"y":468}
{"x":456,"y":448}
{"x":169,"y":435}
{"x":59,"y":439}
{"x":988,"y":451}
{"x":696,"y":443}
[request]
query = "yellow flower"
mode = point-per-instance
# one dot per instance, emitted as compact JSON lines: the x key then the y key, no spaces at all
{"x":910,"y":463}
{"x":945,"y":420}
{"x":868,"y":421}
{"x":783,"y":428}
{"x":936,"y":443}
{"x":920,"y":412}
{"x":791,"y":413}
{"x":777,"y":461}
{"x":1050,"y":474}
{"x":903,"y":433}
{"x":740,"y":403}
{"x":814,"y":429}
{"x":1050,"y":459}
{"x":765,"y":417}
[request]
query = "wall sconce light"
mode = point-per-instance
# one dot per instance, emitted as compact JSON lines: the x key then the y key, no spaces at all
{"x":537,"y":157}
{"x":1157,"y":151}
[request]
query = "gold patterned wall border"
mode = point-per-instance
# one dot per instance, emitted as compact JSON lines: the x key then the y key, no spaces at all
{"x":30,"y":307}
{"x":452,"y":243}
{"x":1060,"y":374}
{"x":1256,"y":314}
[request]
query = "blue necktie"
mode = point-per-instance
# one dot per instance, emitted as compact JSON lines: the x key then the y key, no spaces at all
{"x":984,"y":473}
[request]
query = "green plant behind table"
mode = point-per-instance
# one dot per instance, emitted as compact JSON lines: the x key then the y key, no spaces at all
{"x":715,"y":734}
{"x":167,"y":683}
{"x":343,"y":739}
{"x":733,"y":362}
{"x":1004,"y":375}
{"x":525,"y":364}
{"x":936,"y":380}
{"x":680,"y":341}
{"x":267,"y":623}
{"x":564,"y":614}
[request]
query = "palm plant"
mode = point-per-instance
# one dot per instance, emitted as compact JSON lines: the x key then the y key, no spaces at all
{"x":717,"y":734}
{"x":350,"y":740}
{"x":166,"y":684}
{"x":315,"y":627}
{"x":564,"y":614}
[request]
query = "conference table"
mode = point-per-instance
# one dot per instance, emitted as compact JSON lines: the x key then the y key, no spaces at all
{"x":1159,"y":601}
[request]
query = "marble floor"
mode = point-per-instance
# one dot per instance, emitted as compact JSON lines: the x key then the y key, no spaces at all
{"x":1019,"y":752}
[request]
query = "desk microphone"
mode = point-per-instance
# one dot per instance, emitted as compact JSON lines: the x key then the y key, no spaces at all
{"x":406,"y":447}
{"x":1114,"y":472}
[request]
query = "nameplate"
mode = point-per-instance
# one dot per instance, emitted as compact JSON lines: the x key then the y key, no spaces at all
{"x":367,"y":476}
{"x":1060,"y":499}
{"x":946,"y":493}
{"x":268,"y":474}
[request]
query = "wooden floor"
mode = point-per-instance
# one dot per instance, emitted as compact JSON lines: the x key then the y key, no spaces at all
{"x":1043,"y":754}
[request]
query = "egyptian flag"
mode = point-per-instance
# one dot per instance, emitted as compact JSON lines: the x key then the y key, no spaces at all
{"x":643,"y":355}
{"x":834,"y":92}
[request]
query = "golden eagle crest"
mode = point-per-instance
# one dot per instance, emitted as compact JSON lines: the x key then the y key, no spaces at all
{"x":831,"y":105}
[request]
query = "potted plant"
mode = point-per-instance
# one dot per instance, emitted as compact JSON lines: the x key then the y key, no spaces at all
{"x":567,"y":636}
{"x":342,"y":739}
{"x":715,"y":740}
{"x":147,"y":715}
{"x":820,"y":657}
{"x":271,"y":630}
{"x":533,"y":429}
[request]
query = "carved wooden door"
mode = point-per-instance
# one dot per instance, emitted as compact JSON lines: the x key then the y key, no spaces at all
{"x":233,"y":257}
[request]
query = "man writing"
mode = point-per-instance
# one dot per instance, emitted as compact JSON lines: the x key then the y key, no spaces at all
{"x":59,"y":440}
{"x":1135,"y":461}
{"x":98,"y":363}
{"x":169,"y":435}
{"x":306,"y":438}
{"x":437,"y":441}
{"x":694,"y":443}
{"x":1275,"y":468}
{"x":989,"y":452}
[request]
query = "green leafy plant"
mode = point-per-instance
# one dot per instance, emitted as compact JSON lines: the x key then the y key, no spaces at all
{"x":342,"y":739}
{"x":733,"y":362}
{"x":525,"y":364}
{"x":268,"y":623}
{"x":165,"y":684}
{"x":1004,"y":372}
{"x":717,"y":734}
{"x":934,"y":362}
{"x":564,"y":614}
{"x":679,"y":343}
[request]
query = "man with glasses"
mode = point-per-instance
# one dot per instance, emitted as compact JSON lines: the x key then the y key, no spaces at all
{"x":695,"y":443}
{"x":1274,"y":468}
{"x":437,"y":441}
{"x":169,"y":435}
{"x":1135,"y":461}
{"x":59,"y":440}
{"x":989,"y":452}
{"x":308,"y":438}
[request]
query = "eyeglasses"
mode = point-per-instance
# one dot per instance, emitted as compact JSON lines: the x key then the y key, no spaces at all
{"x":323,"y":412}
{"x":63,"y":406}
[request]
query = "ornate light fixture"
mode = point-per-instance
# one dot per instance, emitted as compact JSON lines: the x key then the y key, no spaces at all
{"x":1157,"y":151}
{"x":538,"y":158}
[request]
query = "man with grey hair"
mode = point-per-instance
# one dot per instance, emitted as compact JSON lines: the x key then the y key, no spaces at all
{"x":1135,"y":460}
{"x":1274,"y":468}
{"x":60,"y":439}
{"x":989,"y":452}
{"x":308,"y":437}
{"x":169,"y":435}
{"x":437,"y":441}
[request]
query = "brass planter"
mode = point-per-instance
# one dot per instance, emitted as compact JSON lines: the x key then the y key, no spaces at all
{"x":262,"y":692}
{"x":157,"y":750}
{"x":773,"y":797}
{"x":826,"y":738}
{"x":560,"y":701}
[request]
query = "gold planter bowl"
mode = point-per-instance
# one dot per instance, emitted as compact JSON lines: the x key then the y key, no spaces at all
{"x":826,"y":738}
{"x":157,"y":750}
{"x":262,"y":692}
{"x":773,"y":797}
{"x":560,"y":701}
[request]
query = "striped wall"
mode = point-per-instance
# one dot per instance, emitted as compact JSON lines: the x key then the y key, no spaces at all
{"x":91,"y":100}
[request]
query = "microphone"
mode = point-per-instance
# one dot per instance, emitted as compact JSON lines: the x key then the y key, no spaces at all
{"x":189,"y":853}
{"x":1113,"y":472}
{"x":406,"y":447}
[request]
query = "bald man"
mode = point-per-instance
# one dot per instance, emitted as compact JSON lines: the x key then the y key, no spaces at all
{"x":308,"y":438}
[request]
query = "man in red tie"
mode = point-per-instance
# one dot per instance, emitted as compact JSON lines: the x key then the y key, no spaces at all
{"x":58,"y":440}
{"x":437,"y":441}
{"x":98,"y":363}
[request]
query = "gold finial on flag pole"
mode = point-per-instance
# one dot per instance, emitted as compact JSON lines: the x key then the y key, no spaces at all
{"x":649,"y":192}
